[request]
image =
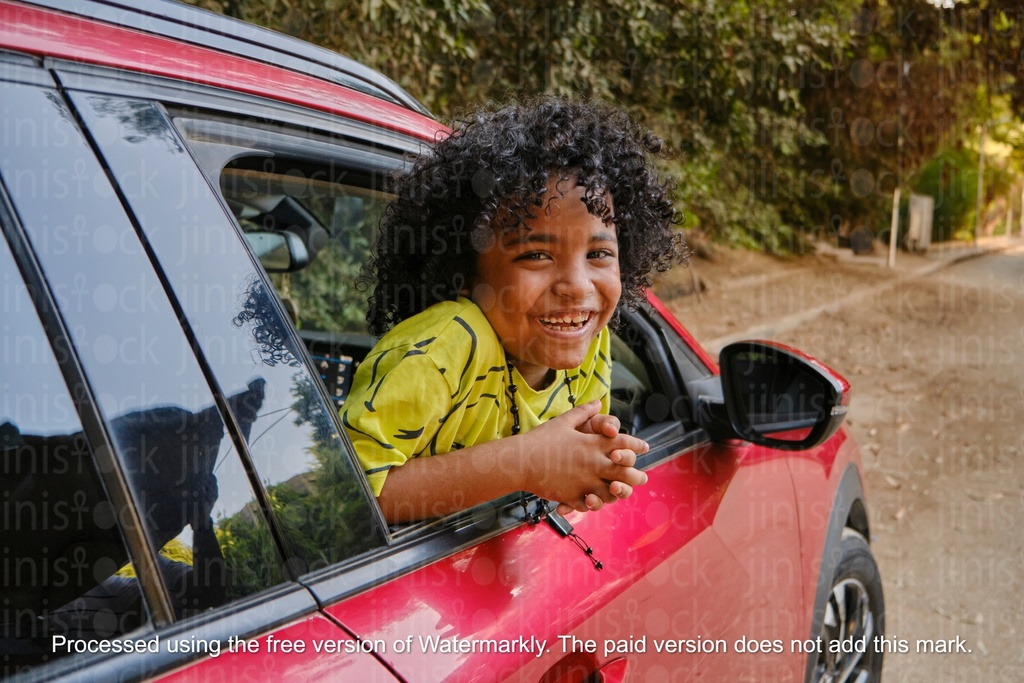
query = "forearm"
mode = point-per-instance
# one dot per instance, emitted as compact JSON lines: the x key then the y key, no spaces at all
{"x":433,"y":486}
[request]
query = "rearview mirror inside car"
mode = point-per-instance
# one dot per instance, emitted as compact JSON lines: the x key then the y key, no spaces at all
{"x":779,"y":397}
{"x":279,"y":252}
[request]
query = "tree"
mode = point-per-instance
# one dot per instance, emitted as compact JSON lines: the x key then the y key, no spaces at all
{"x":789,"y":116}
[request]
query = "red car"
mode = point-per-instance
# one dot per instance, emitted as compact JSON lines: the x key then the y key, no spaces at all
{"x":185,"y":204}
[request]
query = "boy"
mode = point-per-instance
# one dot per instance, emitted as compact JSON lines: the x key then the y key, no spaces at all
{"x":498,"y":268}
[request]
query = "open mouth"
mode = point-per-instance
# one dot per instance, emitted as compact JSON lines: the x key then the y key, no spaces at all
{"x":567,"y":322}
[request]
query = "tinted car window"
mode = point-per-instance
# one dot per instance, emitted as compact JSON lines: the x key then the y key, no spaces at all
{"x":189,"y":487}
{"x":294,"y":447}
{"x":62,"y":549}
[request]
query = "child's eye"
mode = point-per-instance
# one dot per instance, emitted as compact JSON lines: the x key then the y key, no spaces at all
{"x":532,"y":256}
{"x":601,"y":253}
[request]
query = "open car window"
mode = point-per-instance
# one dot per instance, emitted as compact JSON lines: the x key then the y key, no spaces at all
{"x":310,"y":216}
{"x":314,"y":236}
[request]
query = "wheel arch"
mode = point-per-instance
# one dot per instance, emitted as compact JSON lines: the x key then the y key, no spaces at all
{"x":848,"y":511}
{"x":858,"y":518}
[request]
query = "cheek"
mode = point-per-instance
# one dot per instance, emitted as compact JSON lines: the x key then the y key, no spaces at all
{"x":611,"y":286}
{"x":503,"y":298}
{"x":518,"y":292}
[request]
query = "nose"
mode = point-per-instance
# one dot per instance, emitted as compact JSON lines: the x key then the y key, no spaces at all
{"x":573,"y":281}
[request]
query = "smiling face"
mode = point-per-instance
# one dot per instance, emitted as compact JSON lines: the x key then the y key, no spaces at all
{"x":549,"y":288}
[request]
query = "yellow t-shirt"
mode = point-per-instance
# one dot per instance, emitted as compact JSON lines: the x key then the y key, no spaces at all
{"x":438,"y":382}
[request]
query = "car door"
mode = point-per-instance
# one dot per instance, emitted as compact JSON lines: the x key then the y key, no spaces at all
{"x":702,"y":556}
{"x":171,"y":488}
{"x":688,"y":558}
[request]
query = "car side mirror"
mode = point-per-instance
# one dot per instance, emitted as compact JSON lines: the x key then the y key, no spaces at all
{"x":778,"y":397}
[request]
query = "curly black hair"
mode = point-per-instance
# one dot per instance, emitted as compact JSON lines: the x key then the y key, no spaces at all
{"x":492,"y":173}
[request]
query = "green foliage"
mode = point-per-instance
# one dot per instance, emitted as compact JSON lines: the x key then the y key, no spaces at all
{"x":789,"y":116}
{"x":951,"y":178}
{"x":249,"y":554}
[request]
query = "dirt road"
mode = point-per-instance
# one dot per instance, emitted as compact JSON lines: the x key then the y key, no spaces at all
{"x":937,"y":367}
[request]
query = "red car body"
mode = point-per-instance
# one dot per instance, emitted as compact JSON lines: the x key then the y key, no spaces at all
{"x":729,"y":542}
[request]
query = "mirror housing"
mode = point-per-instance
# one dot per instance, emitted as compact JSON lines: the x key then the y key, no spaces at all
{"x":778,"y":397}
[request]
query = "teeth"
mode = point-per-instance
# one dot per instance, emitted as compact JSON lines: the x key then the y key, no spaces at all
{"x":567,"y":319}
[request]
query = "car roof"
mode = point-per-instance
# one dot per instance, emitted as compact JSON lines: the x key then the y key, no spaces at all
{"x":147,"y":29}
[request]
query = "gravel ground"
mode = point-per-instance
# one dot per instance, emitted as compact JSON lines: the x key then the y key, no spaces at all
{"x":938,"y":400}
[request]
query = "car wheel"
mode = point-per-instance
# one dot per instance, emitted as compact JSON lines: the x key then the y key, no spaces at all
{"x":854,"y":617}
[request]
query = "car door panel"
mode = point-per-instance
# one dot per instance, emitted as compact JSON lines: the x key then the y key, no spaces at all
{"x":663,"y":568}
{"x":758,"y":523}
{"x":289,"y":653}
{"x":817,"y":476}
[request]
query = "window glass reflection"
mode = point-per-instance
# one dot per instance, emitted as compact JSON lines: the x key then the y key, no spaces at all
{"x":297,"y":453}
{"x":187,"y":482}
{"x":63,"y":558}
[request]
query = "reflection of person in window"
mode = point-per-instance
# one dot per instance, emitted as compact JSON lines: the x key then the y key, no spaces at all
{"x":169,"y":455}
{"x":113,"y":606}
{"x":499,"y":264}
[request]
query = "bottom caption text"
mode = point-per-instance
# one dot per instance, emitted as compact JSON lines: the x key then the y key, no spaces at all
{"x":536,"y":647}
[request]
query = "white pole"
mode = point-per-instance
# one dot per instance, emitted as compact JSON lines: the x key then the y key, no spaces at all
{"x":895,"y":227}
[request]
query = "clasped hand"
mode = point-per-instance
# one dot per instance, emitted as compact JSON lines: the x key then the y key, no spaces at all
{"x":582,"y":461}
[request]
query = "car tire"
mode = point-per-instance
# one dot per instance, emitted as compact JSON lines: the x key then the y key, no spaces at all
{"x":854,"y":614}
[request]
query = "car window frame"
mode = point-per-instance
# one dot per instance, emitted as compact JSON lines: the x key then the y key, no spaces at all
{"x":173,"y":96}
{"x":94,"y":430}
{"x":325,"y":150}
{"x":228,"y":103}
{"x":170,"y":155}
{"x":94,"y":426}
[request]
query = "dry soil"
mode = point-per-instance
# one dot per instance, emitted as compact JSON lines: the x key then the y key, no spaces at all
{"x":938,"y":403}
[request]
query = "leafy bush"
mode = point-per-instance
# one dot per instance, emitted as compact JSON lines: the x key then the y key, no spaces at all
{"x":951,"y":179}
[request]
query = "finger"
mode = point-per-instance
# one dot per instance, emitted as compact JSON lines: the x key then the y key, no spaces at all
{"x":606,"y":495}
{"x":593,"y":502}
{"x":564,"y":509}
{"x":608,"y":425}
{"x":620,"y":490}
{"x":628,"y":475}
{"x":624,"y":457}
{"x":581,"y":414}
{"x":638,"y":446}
{"x":591,"y":426}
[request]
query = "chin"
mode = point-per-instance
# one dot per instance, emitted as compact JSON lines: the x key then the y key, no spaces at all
{"x":567,"y":361}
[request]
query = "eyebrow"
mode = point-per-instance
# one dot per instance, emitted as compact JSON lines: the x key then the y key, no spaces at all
{"x":527,"y":237}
